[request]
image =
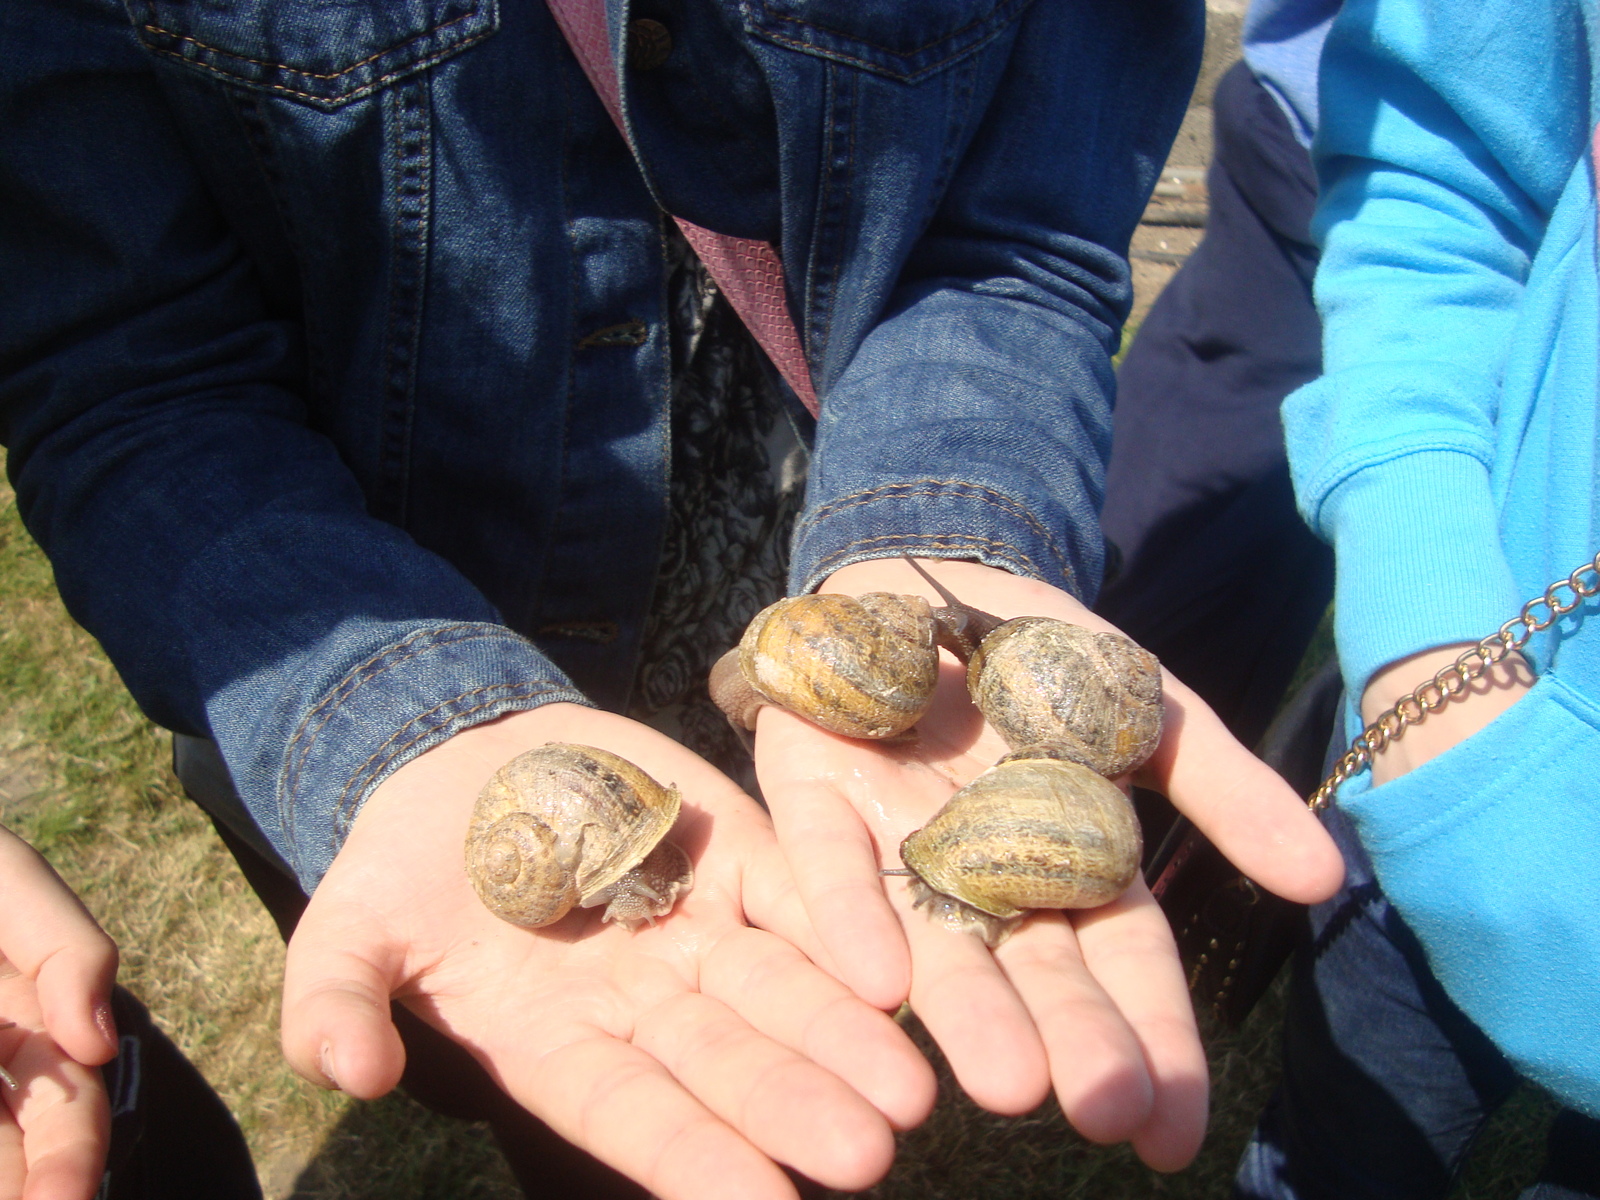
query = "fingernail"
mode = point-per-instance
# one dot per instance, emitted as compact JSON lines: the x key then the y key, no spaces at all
{"x":107,"y":1025}
{"x":325,"y":1065}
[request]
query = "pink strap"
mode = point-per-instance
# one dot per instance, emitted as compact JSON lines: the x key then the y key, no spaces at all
{"x":748,"y":272}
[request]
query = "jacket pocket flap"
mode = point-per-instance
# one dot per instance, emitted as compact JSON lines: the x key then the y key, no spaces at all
{"x":323,"y":52}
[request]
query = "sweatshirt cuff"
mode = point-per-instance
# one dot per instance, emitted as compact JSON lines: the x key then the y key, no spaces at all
{"x":1420,"y":560}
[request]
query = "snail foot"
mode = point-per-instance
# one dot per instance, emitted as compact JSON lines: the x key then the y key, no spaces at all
{"x":962,"y":917}
{"x":647,"y":891}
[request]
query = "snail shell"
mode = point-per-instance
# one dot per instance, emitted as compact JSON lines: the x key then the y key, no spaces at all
{"x":566,"y":825}
{"x":1030,"y":832}
{"x":1041,"y":681}
{"x":863,"y":667}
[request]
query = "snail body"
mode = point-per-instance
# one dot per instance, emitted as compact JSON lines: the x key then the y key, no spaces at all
{"x":1031,"y":832}
{"x":859,"y":666}
{"x":566,"y":826}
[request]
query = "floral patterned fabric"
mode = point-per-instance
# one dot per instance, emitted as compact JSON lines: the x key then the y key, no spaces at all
{"x":738,"y":481}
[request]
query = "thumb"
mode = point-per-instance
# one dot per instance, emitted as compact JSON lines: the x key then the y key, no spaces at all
{"x":337,"y":979}
{"x":48,"y":935}
{"x":1239,"y":802}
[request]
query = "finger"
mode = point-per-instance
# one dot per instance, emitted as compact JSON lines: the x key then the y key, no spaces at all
{"x":771,"y":985}
{"x":833,"y":860}
{"x":64,"y":1120}
{"x":1240,"y":803}
{"x":337,"y":980}
{"x":1129,"y":947}
{"x":1096,"y":1061}
{"x":50,"y":937}
{"x":623,"y":1106}
{"x":980,"y":1022}
{"x":787,"y":1106}
{"x":13,"y":1157}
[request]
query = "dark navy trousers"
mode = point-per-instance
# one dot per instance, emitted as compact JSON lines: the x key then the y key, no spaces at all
{"x":1219,"y":577}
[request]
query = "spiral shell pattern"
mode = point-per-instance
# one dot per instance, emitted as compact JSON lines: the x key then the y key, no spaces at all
{"x":862,"y":667}
{"x":559,"y":824}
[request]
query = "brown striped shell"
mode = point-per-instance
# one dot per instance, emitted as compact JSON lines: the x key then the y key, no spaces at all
{"x":563,"y":826}
{"x":1029,"y":833}
{"x":860,"y":666}
{"x":1041,"y":681}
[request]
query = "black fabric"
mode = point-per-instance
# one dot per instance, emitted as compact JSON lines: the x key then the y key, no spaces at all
{"x":1220,"y":578}
{"x":172,"y":1138}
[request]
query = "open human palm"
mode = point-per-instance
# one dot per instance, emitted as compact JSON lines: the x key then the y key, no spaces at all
{"x":1092,"y":1002}
{"x":691,"y":1055}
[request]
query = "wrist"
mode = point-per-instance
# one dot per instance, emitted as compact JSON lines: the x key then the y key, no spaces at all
{"x":1462,"y":714}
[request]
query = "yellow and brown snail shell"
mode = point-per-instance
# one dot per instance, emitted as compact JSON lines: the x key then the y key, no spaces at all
{"x":566,"y":826}
{"x":1040,"y":681}
{"x":1031,"y":832}
{"x":859,"y":666}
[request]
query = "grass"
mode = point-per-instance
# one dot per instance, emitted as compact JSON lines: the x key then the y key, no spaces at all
{"x":85,"y":777}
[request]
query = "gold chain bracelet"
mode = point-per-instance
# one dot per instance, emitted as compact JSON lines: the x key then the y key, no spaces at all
{"x":1454,"y":679}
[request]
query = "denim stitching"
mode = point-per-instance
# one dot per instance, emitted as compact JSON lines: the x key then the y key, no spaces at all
{"x":365,"y":89}
{"x":823,"y":276}
{"x":937,"y":541}
{"x":511,"y":691}
{"x":855,"y":60}
{"x":944,"y":487}
{"x":353,"y":679}
{"x":408,"y":146}
{"x":367,"y":671}
{"x":278,"y":66}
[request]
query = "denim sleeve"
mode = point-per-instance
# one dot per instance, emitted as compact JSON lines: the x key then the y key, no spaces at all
{"x":974,"y":419}
{"x":216,"y":545}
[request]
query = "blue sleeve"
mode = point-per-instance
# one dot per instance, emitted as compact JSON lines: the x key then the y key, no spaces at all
{"x":215,"y":543}
{"x":1449,"y":131}
{"x":974,"y":419}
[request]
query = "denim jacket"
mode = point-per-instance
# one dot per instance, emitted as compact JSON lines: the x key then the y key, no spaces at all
{"x":333,"y":356}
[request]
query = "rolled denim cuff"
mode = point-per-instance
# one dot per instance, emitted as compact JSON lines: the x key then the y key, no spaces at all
{"x":404,"y":699}
{"x":930,"y":518}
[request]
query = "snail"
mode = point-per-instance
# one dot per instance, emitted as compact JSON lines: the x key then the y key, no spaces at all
{"x":566,"y":826}
{"x":1033,"y":831}
{"x":860,"y":666}
{"x":1044,"y":682}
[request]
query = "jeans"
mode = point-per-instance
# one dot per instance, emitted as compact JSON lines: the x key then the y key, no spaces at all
{"x":1385,"y":1080}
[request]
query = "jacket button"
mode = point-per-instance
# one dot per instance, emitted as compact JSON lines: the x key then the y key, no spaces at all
{"x":649,"y":44}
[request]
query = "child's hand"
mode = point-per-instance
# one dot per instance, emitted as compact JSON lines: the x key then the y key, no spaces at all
{"x":56,"y":970}
{"x":1091,"y":1001}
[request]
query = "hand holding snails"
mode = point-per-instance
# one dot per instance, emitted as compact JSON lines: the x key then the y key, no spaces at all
{"x":1093,"y":1001}
{"x":1039,"y":830}
{"x":587,"y":1027}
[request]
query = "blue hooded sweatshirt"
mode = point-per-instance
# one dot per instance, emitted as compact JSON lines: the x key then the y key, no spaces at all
{"x":1449,"y":454}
